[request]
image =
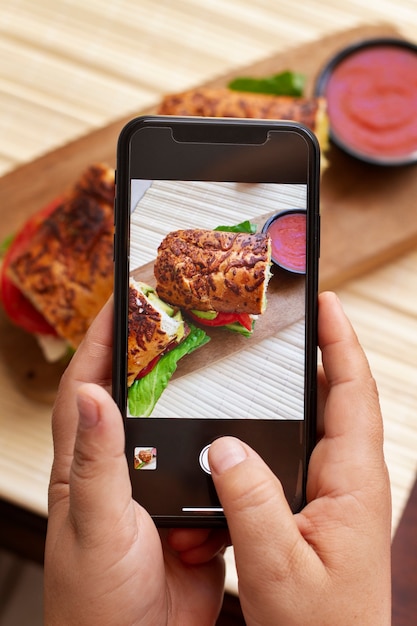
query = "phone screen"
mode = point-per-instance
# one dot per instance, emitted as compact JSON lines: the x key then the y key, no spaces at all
{"x":216,"y":272}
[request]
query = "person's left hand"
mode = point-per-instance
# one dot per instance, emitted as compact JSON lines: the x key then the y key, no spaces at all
{"x":105,"y":562}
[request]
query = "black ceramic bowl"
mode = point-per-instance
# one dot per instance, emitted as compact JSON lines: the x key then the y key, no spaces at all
{"x":371,"y":93}
{"x":287,"y":230}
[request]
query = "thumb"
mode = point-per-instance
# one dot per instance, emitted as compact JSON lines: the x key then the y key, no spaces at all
{"x":266,"y":540}
{"x":99,"y":483}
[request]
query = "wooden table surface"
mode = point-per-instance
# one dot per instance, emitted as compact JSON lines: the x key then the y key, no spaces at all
{"x":70,"y":67}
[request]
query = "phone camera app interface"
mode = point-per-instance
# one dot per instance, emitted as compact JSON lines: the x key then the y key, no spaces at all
{"x":216,"y":317}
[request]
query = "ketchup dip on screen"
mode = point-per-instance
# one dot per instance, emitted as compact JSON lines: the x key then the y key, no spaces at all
{"x":287,"y":231}
{"x":371,"y":92}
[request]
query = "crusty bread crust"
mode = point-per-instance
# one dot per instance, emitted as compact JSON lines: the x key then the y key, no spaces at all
{"x":212,"y":270}
{"x":209,"y":102}
{"x":66,"y":269}
{"x":146,"y":336}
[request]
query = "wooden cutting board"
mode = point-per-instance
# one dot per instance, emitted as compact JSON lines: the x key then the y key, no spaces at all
{"x":368,"y":213}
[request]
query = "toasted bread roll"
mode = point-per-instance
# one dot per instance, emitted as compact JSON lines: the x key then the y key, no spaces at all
{"x":214,"y":271}
{"x":66,"y":268}
{"x":152,"y":325}
{"x":208,"y":102}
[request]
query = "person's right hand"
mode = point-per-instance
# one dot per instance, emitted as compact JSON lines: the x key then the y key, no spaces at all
{"x":330,"y":563}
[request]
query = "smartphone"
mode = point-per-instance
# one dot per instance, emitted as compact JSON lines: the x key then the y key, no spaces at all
{"x":216,"y":264}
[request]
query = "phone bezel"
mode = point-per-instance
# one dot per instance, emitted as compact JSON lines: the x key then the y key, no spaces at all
{"x":247,"y":135}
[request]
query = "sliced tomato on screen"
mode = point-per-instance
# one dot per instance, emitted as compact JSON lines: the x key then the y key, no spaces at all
{"x":148,"y":368}
{"x":18,"y":308}
{"x":245,"y":319}
{"x":222,"y":319}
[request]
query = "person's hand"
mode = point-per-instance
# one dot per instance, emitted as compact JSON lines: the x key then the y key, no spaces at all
{"x":329,"y":565}
{"x":105,"y":563}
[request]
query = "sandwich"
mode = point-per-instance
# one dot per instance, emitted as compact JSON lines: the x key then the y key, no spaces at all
{"x":154,"y":327}
{"x":158,"y":337}
{"x":144,"y":457}
{"x":223,"y":102}
{"x":218,"y":278}
{"x":57,"y":271}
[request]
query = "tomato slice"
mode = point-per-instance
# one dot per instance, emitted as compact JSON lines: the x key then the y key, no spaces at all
{"x":245,"y":319}
{"x":18,"y":308}
{"x":148,"y":368}
{"x":222,"y":319}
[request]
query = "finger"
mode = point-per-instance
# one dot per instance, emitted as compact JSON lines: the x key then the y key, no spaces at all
{"x":182,"y":539}
{"x":353,"y":433}
{"x":100,"y":489}
{"x":351,"y":384}
{"x":92,"y":361}
{"x":197,"y":546}
{"x":90,"y":364}
{"x":264,"y":533}
{"x":342,"y":356}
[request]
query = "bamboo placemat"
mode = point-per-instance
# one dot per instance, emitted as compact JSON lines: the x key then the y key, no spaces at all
{"x":68,"y":67}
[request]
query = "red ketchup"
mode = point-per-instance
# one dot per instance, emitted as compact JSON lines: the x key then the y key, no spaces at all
{"x":372,"y":102}
{"x":288,"y":237}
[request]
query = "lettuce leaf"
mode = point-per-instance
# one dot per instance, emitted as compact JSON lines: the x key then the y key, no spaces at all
{"x":145,"y":392}
{"x":283,"y":84}
{"x":243,"y":227}
{"x":238,"y":328}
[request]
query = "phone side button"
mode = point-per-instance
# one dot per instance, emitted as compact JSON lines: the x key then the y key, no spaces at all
{"x":318,"y":230}
{"x":203,"y":460}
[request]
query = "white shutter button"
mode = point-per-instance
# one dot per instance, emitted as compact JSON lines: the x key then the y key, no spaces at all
{"x":203,"y":459}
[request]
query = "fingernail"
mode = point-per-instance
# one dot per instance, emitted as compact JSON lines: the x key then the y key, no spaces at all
{"x":88,"y":410}
{"x":225,"y":453}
